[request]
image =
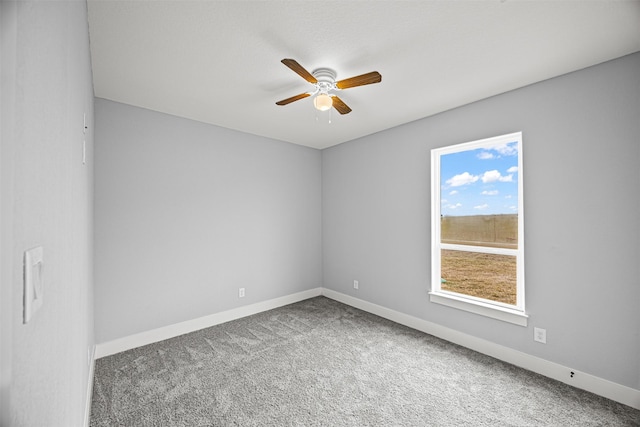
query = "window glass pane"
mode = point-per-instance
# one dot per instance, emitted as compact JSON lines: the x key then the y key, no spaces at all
{"x":481,"y":275}
{"x":479,"y":196}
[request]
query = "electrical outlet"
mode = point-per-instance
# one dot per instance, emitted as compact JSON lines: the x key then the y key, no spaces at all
{"x":540,"y":335}
{"x":241,"y":293}
{"x":356,"y":284}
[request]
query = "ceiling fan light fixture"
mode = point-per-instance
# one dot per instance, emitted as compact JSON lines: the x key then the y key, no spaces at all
{"x":324,"y":82}
{"x":323,"y":102}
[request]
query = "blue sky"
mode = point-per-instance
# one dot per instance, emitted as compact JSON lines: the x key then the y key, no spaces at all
{"x":483,"y":181}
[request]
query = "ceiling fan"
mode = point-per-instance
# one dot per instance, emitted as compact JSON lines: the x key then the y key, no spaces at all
{"x":324,"y":81}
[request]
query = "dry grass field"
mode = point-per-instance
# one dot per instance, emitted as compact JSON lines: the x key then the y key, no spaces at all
{"x":481,"y":275}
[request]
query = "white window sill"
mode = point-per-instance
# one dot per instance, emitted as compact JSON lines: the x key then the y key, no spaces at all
{"x":478,"y":307}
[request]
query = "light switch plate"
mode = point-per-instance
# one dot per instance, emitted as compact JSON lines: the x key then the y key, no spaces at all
{"x":33,"y":281}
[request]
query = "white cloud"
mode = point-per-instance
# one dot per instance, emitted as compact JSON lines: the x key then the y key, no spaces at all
{"x":490,"y":193}
{"x":481,"y":207}
{"x":512,"y":169}
{"x":494,"y":175}
{"x":462,"y":179}
{"x":457,"y":205}
{"x":508,"y":149}
{"x":452,"y":192}
{"x":485,"y":155}
{"x":490,"y":176}
{"x":508,"y":196}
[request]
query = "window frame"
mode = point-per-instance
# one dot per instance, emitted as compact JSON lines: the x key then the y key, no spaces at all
{"x":515,"y":313}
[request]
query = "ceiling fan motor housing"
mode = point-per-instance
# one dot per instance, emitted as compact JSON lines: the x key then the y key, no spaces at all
{"x":326,"y":79}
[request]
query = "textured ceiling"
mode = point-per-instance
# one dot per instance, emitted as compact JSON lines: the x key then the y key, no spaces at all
{"x":219,"y":61}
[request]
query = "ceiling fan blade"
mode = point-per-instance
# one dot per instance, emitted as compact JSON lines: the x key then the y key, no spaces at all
{"x":300,"y":70}
{"x":293,"y":98}
{"x":340,"y":106}
{"x":364,"y":79}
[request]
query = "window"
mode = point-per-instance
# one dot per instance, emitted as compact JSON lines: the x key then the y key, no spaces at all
{"x":477,"y":257}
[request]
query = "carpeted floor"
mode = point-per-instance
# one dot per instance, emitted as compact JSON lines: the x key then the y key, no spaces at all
{"x":322,"y":363}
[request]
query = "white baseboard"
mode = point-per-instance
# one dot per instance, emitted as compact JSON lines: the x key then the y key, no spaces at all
{"x":170,"y":331}
{"x":87,"y":408}
{"x":610,"y":390}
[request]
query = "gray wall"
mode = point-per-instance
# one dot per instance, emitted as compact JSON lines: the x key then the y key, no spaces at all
{"x":581,"y":150}
{"x":46,"y":200}
{"x":187,"y":213}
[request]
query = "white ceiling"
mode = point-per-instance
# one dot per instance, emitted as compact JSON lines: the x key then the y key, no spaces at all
{"x":219,"y":61}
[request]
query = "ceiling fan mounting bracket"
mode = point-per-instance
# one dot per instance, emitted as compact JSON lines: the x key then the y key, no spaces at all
{"x":324,"y":75}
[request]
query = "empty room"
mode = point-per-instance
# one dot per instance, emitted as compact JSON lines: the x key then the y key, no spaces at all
{"x":319,"y":213}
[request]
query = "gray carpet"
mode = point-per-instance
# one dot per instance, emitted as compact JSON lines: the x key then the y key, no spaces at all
{"x":322,"y":363}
